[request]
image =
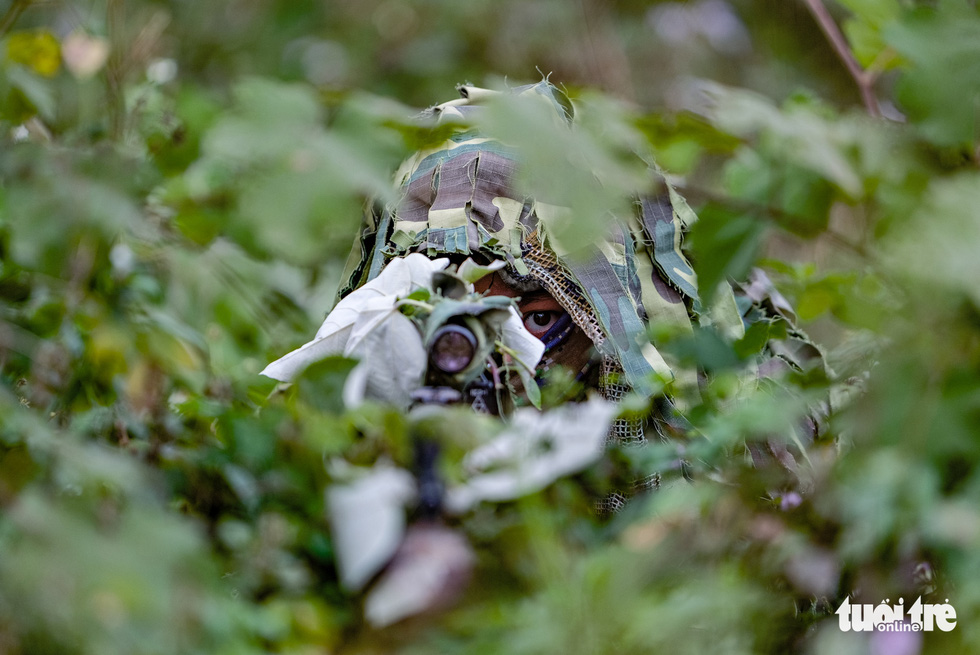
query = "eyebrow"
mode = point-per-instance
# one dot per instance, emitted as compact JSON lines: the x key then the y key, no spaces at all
{"x":532,"y":298}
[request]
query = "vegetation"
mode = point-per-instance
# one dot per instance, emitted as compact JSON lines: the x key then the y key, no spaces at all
{"x":180,"y":183}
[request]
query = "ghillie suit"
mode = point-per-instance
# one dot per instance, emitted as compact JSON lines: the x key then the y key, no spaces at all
{"x":458,"y":198}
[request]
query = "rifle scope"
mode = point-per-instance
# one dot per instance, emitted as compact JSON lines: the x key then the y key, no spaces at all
{"x":453,"y":348}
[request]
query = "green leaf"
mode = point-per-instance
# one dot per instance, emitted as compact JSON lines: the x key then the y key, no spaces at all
{"x":574,"y":175}
{"x":724,"y":244}
{"x":755,"y":339}
{"x":940,"y":88}
{"x":801,"y":134}
{"x":864,"y":31}
{"x":321,"y":384}
{"x":531,"y":388}
{"x":815,"y":301}
{"x":875,"y":12}
{"x":37,"y":91}
{"x":794,"y":197}
{"x":705,"y":349}
{"x":939,"y":256}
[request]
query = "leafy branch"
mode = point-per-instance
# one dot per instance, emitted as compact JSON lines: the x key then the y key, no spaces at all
{"x":777,"y":215}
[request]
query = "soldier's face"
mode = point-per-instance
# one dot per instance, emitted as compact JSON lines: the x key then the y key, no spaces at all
{"x":540,"y":312}
{"x":537,"y":308}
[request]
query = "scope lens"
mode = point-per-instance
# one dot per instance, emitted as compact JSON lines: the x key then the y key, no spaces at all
{"x":453,"y":348}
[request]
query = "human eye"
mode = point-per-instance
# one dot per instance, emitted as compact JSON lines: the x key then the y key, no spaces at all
{"x":539,"y":322}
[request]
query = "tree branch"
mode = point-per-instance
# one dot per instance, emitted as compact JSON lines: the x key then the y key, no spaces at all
{"x":12,"y":14}
{"x":115,"y":102}
{"x":864,"y":79}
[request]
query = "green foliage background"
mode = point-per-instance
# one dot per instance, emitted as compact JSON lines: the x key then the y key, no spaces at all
{"x":176,"y":214}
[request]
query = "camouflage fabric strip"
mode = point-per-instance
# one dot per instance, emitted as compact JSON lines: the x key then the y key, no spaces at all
{"x":377,"y":260}
{"x":618,"y":314}
{"x":664,"y":229}
{"x":459,"y":204}
{"x":758,"y":299}
{"x":429,"y":162}
{"x":663,"y":305}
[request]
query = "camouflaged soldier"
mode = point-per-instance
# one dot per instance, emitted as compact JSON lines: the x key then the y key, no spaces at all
{"x":458,"y":199}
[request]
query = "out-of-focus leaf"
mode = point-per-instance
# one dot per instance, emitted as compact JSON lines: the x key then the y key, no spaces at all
{"x":428,"y":572}
{"x":798,"y":134}
{"x":755,"y":339}
{"x":535,"y":450}
{"x":936,"y":42}
{"x":37,"y":92}
{"x":814,"y":301}
{"x":367,"y":520}
{"x":38,"y":50}
{"x":322,"y":383}
{"x":941,"y":253}
{"x":243,"y":484}
{"x":679,"y":141}
{"x":294,"y":180}
{"x":705,"y":349}
{"x":864,"y":31}
{"x":559,"y":165}
{"x":724,"y":245}
{"x":84,"y":55}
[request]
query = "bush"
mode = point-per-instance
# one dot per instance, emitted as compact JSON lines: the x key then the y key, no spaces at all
{"x":175,"y":211}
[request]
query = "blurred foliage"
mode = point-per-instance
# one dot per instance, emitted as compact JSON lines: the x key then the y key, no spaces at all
{"x":180,"y":183}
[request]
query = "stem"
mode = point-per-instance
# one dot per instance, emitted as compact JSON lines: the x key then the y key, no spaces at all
{"x":12,"y":14}
{"x":115,"y":102}
{"x":865,"y":80}
{"x":415,"y":303}
{"x":513,"y":355}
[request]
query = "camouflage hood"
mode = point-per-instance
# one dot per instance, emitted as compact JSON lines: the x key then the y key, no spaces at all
{"x":459,"y":198}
